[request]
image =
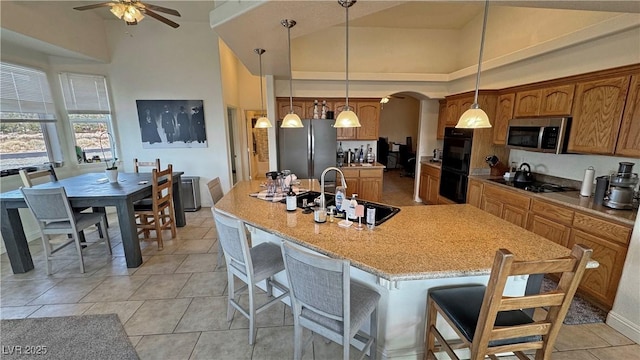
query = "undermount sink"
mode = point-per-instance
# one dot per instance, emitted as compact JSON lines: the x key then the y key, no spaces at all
{"x":383,"y":212}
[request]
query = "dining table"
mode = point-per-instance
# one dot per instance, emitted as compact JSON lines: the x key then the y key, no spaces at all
{"x":87,"y":190}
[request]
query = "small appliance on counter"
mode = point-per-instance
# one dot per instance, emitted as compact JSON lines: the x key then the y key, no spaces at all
{"x":437,"y":155}
{"x":621,"y":187}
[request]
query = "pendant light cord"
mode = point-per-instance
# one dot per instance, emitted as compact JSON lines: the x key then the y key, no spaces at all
{"x":289,"y":25}
{"x":484,"y":28}
{"x":260,"y":52}
{"x":347,"y":60}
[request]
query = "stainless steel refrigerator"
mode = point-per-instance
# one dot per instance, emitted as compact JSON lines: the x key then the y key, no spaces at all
{"x":309,"y":150}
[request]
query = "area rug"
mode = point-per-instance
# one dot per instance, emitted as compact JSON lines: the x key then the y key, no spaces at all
{"x":581,"y":311}
{"x":66,"y":338}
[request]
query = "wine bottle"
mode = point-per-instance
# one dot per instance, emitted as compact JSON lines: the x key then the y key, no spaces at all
{"x":291,"y":199}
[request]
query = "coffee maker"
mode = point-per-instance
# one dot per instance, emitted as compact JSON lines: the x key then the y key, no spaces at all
{"x":621,"y":187}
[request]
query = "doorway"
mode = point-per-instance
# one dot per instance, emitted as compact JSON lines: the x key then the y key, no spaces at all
{"x":258,"y":146}
{"x":233,"y":144}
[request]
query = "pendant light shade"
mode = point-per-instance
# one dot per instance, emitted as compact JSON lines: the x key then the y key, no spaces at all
{"x":347,"y":118}
{"x":262,"y":122}
{"x":476,"y":118}
{"x":291,"y":120}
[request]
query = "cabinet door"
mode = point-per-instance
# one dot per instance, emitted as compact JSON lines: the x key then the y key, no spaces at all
{"x":602,"y":282}
{"x":344,"y":133}
{"x":527,"y":103}
{"x":452,"y":113}
{"x":370,"y":189}
{"x":442,"y":119}
{"x":629,"y":139}
{"x":284,"y":108}
{"x":463,"y":105}
{"x":557,"y":100}
{"x":474,"y":193}
{"x":597,"y":113}
{"x":515,"y":215}
{"x":433,"y":187}
{"x":504,"y":113}
{"x":492,"y":206}
{"x":352,"y":186}
{"x":549,"y":229}
{"x":369,"y":116}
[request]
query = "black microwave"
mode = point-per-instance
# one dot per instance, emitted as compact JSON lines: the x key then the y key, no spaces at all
{"x":548,"y":135}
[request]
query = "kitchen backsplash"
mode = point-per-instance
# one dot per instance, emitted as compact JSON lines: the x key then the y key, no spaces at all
{"x":352,"y":144}
{"x":570,"y":166}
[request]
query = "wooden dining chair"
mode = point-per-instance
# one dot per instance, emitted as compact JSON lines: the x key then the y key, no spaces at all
{"x":159,"y":215}
{"x":488,"y":322}
{"x":28,"y":177}
{"x":145,"y":164}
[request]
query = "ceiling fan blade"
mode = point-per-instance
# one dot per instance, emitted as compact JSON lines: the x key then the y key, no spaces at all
{"x":162,"y":9}
{"x":161,"y":18}
{"x":93,"y":6}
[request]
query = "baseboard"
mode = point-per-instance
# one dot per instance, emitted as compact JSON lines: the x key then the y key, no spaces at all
{"x":624,"y":326}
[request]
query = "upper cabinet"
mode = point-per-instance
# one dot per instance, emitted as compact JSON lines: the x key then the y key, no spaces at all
{"x":504,"y":112}
{"x":368,"y":112}
{"x":442,"y":119}
{"x":284,"y":108}
{"x":548,"y":101}
{"x":597,"y":115}
{"x":629,"y":140}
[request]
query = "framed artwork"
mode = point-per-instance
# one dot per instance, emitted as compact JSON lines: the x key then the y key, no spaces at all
{"x":171,"y":124}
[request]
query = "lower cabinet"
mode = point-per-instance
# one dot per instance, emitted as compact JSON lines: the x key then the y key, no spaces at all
{"x":367,"y":183}
{"x":474,"y":193}
{"x":429,"y":184}
{"x":506,"y":204}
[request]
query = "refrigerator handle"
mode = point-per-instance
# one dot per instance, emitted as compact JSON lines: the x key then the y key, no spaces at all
{"x":310,"y":148}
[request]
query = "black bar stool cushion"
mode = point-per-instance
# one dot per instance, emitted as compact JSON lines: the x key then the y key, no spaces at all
{"x":462,"y":305}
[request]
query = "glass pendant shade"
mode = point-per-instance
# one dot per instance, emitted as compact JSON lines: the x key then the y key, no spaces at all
{"x":291,"y":121}
{"x":474,"y":118}
{"x":347,"y":119}
{"x":118,"y":10}
{"x":262,"y":123}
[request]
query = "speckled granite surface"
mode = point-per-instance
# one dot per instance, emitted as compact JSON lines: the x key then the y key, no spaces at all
{"x":420,"y":242}
{"x":573,"y":200}
{"x":375,"y":165}
{"x":428,"y":162}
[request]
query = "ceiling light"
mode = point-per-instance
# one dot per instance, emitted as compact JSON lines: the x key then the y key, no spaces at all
{"x":476,"y":118}
{"x":263,"y":121}
{"x":291,"y":120}
{"x":347,"y":118}
{"x":384,"y":100}
{"x":118,"y":10}
{"x":132,"y":14}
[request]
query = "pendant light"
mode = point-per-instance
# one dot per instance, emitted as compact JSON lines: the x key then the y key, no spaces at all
{"x":262,"y":122}
{"x":347,"y":118}
{"x":291,"y":120}
{"x":476,"y":118}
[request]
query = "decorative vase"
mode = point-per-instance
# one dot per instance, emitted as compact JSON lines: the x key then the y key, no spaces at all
{"x":112,"y":175}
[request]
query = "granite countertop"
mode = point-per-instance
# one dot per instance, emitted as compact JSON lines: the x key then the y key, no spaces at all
{"x":428,"y":160}
{"x":420,"y":242}
{"x":573,"y":200}
{"x":365,"y":166}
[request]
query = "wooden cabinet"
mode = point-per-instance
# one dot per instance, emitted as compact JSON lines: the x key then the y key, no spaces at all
{"x":597,"y":114}
{"x":629,"y":139}
{"x":550,"y":221}
{"x":369,"y":115}
{"x":442,"y":119}
{"x":504,"y":113}
{"x":474,"y":193}
{"x":548,"y":101}
{"x":429,"y":184}
{"x":367,"y":183}
{"x":284,"y":108}
{"x":453,"y":113}
{"x":506,"y":204}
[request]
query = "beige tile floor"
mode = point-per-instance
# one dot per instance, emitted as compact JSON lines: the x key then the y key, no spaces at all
{"x":174,"y":305}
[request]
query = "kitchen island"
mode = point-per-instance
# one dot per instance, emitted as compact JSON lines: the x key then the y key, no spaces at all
{"x":419,"y":248}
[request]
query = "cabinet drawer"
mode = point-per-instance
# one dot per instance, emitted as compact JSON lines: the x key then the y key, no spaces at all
{"x":351,"y":173}
{"x":556,"y":213}
{"x":430,"y":170}
{"x":603,"y":228}
{"x":507,"y":197}
{"x":371,"y":173}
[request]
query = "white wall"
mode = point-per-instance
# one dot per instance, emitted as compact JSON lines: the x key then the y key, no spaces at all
{"x":399,"y":118}
{"x":625,"y":315}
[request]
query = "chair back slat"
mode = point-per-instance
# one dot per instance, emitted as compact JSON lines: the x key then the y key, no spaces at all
{"x":48,"y":205}
{"x":308,"y":273}
{"x":162,"y":185}
{"x":543,"y":267}
{"x":28,"y":177}
{"x":532,"y":301}
{"x":533,"y":329}
{"x":215,"y":189}
{"x":140,"y":164}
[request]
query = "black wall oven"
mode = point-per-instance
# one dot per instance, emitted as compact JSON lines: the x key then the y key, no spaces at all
{"x":456,"y":158}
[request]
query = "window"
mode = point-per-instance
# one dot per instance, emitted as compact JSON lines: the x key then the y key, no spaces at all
{"x":87,"y":103}
{"x":27,"y":119}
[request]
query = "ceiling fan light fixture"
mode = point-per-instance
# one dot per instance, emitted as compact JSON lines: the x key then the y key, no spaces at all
{"x":476,"y":118}
{"x":132,"y":14}
{"x":384,"y":100}
{"x":347,"y":118}
{"x":262,"y":122}
{"x":291,"y":120}
{"x":118,"y":10}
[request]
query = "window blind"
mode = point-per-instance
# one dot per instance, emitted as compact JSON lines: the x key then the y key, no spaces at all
{"x":85,"y":94}
{"x":25,"y":95}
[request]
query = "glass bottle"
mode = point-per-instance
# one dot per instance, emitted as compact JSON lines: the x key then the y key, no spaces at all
{"x":361,"y":155}
{"x":340,"y":155}
{"x":291,"y":199}
{"x":370,"y":157}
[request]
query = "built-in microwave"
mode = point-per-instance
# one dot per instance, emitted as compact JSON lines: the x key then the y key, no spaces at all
{"x":548,"y":135}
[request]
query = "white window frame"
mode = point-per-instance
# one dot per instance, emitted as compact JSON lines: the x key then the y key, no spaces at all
{"x":86,"y":100}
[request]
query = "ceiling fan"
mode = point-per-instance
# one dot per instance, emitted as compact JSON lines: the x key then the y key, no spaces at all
{"x":131,"y":11}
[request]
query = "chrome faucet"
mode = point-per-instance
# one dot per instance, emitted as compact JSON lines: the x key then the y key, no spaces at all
{"x":344,"y":184}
